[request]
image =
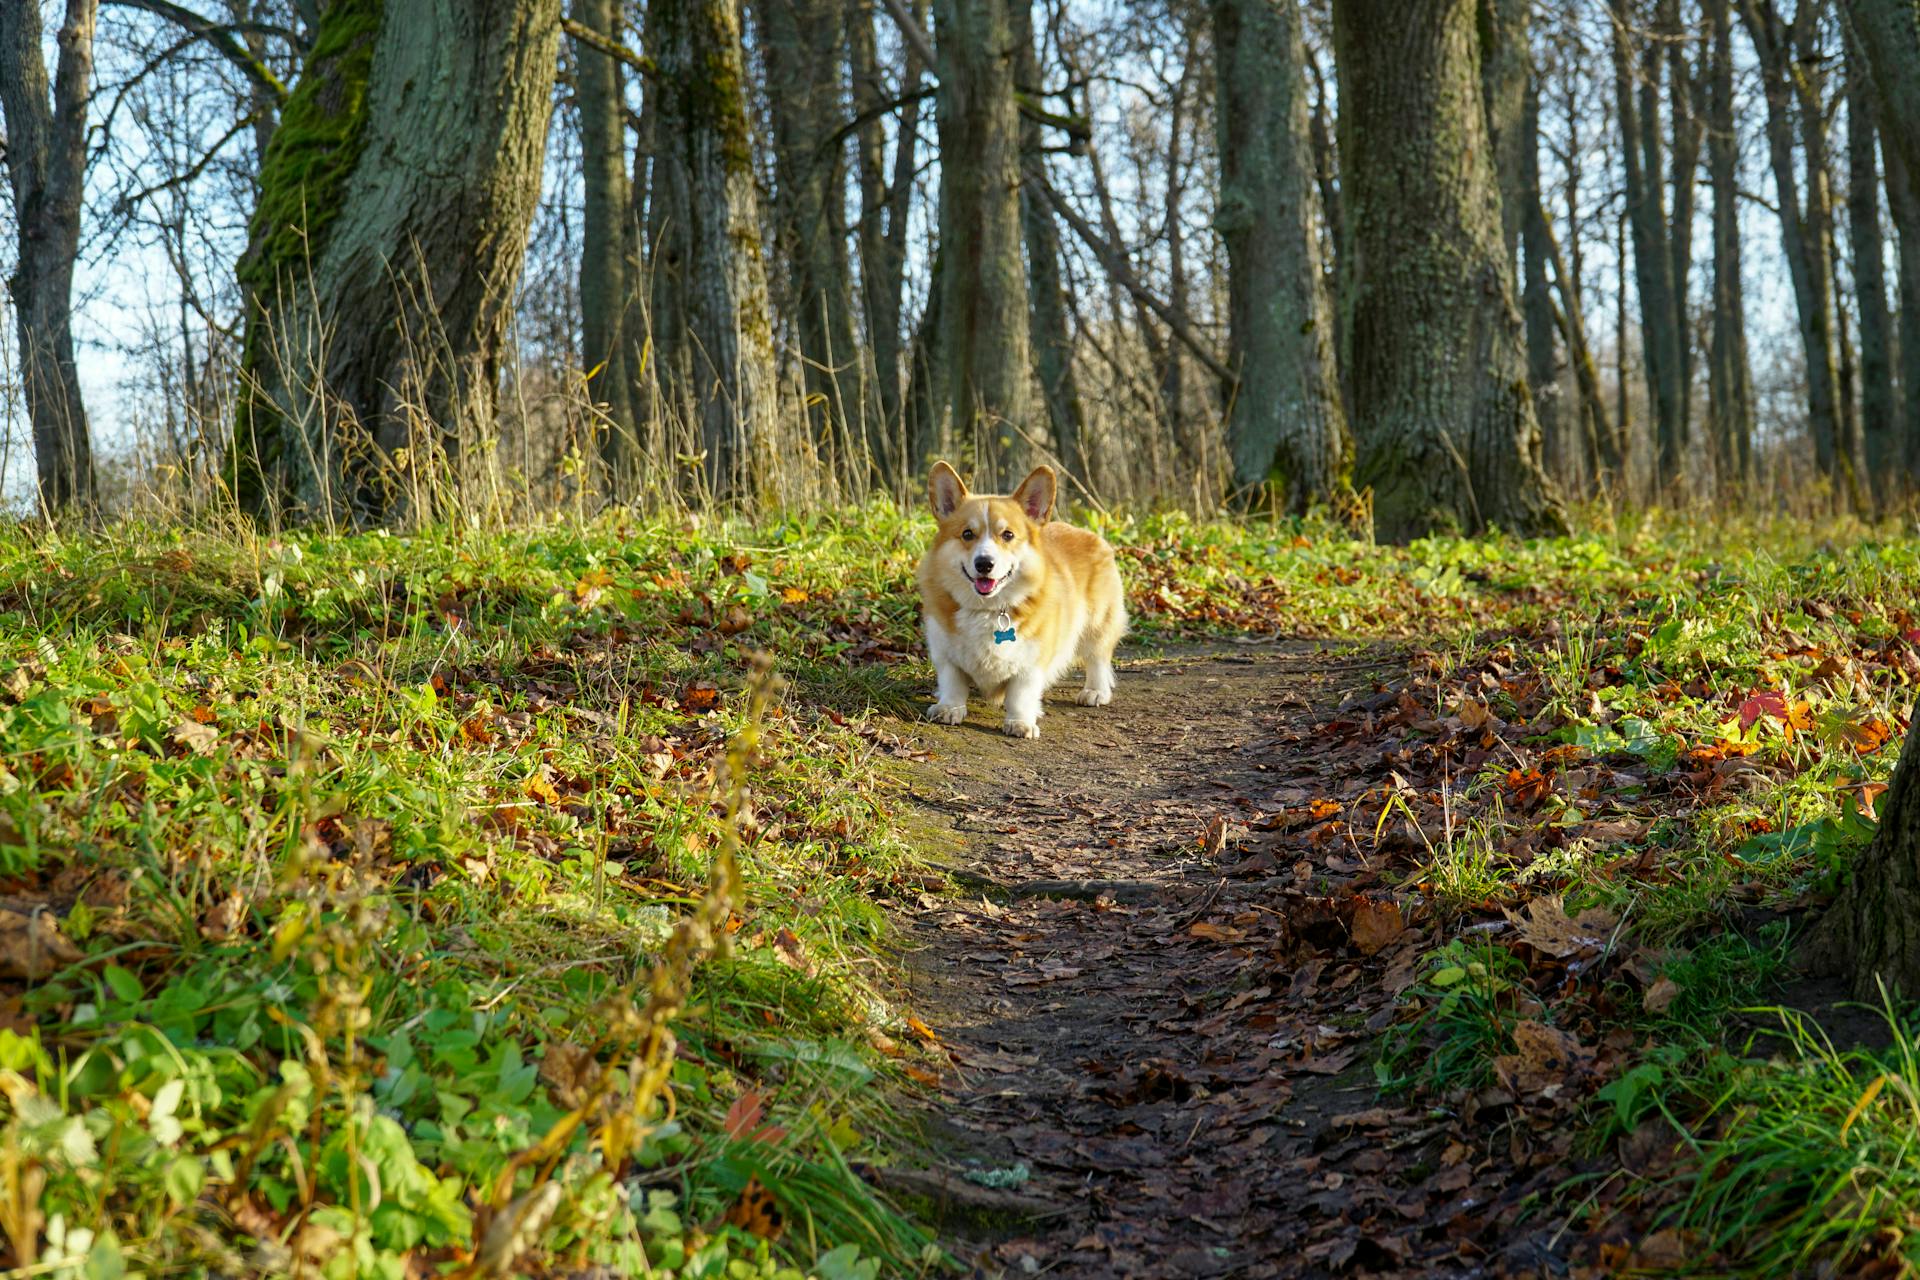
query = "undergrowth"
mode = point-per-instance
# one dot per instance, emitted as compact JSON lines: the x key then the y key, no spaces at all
{"x":474,"y":902}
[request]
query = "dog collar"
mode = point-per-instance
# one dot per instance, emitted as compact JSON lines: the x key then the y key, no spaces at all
{"x":1003,"y":631}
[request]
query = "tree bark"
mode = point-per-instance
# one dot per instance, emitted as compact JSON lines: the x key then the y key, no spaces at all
{"x":1046,"y":300}
{"x":1729,"y":372}
{"x":803,"y":42}
{"x":1287,"y":423}
{"x":1662,"y":323}
{"x":985,"y":358}
{"x":1879,"y":415}
{"x":722,"y":288}
{"x":46,"y":160}
{"x":1564,"y":458}
{"x":1504,"y":58}
{"x":387,"y":245}
{"x":884,"y":206}
{"x":1872,"y":932}
{"x":1444,"y":420}
{"x":1905,"y":208}
{"x":1684,"y":93}
{"x":606,"y":288}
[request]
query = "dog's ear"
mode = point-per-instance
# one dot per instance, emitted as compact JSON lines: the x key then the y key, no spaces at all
{"x":945,"y":490}
{"x":1036,"y":494}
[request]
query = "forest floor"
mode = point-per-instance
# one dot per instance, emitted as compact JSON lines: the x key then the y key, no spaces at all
{"x":590,"y":899}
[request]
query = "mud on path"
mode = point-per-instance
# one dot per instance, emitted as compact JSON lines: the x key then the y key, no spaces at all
{"x":1160,"y":1020}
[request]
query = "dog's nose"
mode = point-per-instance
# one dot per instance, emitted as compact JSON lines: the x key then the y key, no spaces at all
{"x":983,"y":565}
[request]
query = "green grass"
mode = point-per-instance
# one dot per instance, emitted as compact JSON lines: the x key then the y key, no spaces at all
{"x":392,"y":880}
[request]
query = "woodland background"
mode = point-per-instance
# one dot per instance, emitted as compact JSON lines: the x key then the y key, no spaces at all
{"x":790,"y":251}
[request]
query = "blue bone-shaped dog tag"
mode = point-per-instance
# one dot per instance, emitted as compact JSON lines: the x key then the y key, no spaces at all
{"x":1004,"y":635}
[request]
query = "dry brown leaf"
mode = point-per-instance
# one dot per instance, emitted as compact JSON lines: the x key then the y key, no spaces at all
{"x":31,"y":947}
{"x":1544,"y":1059}
{"x":1660,"y":995}
{"x":200,"y":739}
{"x":1376,"y":925}
{"x":1547,"y":928}
{"x":224,"y":918}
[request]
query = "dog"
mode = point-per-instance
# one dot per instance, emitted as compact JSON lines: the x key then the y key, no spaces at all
{"x":1011,"y":599}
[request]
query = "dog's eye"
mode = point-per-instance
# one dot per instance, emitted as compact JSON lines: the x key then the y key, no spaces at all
{"x":1006,"y":535}
{"x":966,"y":535}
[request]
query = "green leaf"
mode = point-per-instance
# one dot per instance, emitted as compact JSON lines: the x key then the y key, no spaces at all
{"x":123,"y":983}
{"x":183,"y":1179}
{"x":1448,"y":976}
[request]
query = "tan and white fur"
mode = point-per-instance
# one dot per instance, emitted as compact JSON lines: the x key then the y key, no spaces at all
{"x":999,"y":565}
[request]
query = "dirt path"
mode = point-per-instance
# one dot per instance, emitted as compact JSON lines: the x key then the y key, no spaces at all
{"x":1160,"y":1024}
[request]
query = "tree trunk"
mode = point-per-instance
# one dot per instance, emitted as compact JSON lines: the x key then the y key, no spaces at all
{"x":1444,"y":421}
{"x":387,"y":246}
{"x":1889,"y":36}
{"x":1879,"y":417}
{"x":1287,"y":422}
{"x":986,"y":364}
{"x":46,"y":159}
{"x":1804,"y":231}
{"x":1729,"y":373}
{"x":884,"y":206}
{"x":606,"y":290}
{"x":1662,"y":332}
{"x":1564,"y":459}
{"x":1602,"y":449}
{"x":1504,"y":58}
{"x":1872,"y":932}
{"x":1684,"y":95}
{"x":1905,"y":207}
{"x":1046,"y":299}
{"x":804,"y":57}
{"x":722,"y":288}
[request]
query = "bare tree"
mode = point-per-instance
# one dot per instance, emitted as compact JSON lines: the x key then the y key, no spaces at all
{"x":46,"y":160}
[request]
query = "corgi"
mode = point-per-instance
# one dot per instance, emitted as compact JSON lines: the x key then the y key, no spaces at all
{"x":1011,"y":599}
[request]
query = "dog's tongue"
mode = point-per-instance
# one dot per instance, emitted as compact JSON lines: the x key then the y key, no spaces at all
{"x":984,"y":586}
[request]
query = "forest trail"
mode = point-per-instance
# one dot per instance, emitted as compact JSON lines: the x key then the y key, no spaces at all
{"x":1154,"y":1007}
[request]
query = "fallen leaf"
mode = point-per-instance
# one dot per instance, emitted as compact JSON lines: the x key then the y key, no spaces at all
{"x":224,"y":918}
{"x":200,"y":739}
{"x":1547,"y":928}
{"x":31,"y":947}
{"x":1660,"y":995}
{"x":757,"y":1212}
{"x":1376,"y":925}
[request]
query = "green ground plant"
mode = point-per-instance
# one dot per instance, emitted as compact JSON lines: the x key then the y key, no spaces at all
{"x":480,"y":899}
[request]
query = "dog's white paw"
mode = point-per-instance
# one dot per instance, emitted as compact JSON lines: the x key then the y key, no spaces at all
{"x":1020,"y":729}
{"x":947,"y":712}
{"x":1094,"y":697}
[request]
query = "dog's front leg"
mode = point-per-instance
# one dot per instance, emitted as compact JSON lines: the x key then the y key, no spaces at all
{"x":950,"y":705}
{"x":1023,"y":706}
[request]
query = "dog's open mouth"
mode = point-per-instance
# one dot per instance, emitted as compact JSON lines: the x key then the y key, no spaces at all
{"x":985,"y":586}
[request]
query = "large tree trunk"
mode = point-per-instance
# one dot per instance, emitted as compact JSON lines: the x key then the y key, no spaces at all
{"x":1504,"y":58}
{"x":46,"y":159}
{"x":387,"y":246}
{"x":1662,"y":321}
{"x":1872,"y":932}
{"x":1046,"y":298}
{"x":804,"y":57}
{"x":884,"y":206}
{"x":1684,"y":94}
{"x":1729,"y":373}
{"x":1904,"y":205}
{"x":1287,"y":422}
{"x":606,"y":272}
{"x":985,"y":360}
{"x":722,"y":286}
{"x":1443,"y":417}
{"x":1879,"y":416}
{"x":1564,"y":457}
{"x":1804,"y":230}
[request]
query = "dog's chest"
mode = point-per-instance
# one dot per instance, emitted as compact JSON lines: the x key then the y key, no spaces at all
{"x":990,"y":645}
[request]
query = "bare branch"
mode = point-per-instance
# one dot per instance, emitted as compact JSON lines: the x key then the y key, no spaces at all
{"x":221,"y":36}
